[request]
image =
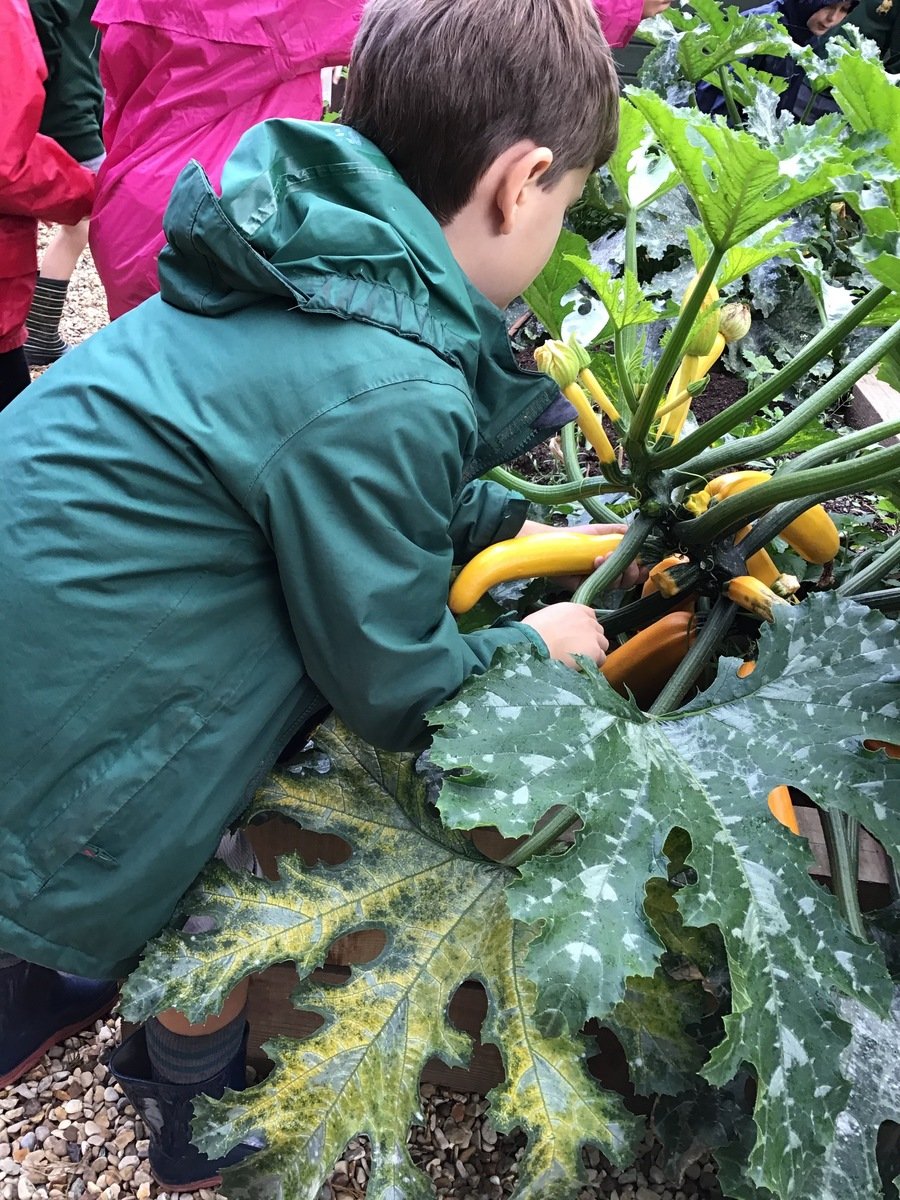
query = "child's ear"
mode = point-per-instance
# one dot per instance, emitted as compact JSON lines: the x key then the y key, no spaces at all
{"x":523,"y":171}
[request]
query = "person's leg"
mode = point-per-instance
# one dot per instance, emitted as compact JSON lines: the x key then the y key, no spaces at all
{"x":40,"y":1007}
{"x":14,"y":375}
{"x":45,"y":345}
{"x":163,"y":1066}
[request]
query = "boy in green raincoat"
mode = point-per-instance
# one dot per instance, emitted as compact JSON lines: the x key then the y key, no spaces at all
{"x":239,"y":505}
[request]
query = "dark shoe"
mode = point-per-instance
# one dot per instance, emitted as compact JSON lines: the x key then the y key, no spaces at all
{"x":167,"y":1108}
{"x":40,"y":1007}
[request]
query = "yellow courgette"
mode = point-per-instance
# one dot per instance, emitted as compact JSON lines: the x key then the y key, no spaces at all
{"x":751,"y":593}
{"x":645,"y":663}
{"x":534,"y":555}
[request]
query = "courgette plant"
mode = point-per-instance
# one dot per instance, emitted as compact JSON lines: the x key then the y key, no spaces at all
{"x":815,"y":277}
{"x":683,"y":916}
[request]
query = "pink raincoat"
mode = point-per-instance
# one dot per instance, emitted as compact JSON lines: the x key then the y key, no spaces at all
{"x":619,"y":19}
{"x":185,"y":78}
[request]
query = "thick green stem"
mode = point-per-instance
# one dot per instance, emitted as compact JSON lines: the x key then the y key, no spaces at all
{"x":629,"y":335}
{"x":734,"y":116}
{"x":843,"y":876}
{"x":841,"y":447}
{"x":761,"y":444}
{"x":886,"y":600}
{"x":875,"y":572}
{"x":668,"y":361}
{"x":591,"y":506}
{"x":808,"y":107}
{"x":555,"y":493}
{"x":623,"y":555}
{"x":626,"y":387}
{"x":716,"y":625}
{"x":543,"y":838}
{"x":773,"y":387}
{"x":866,"y":556}
{"x":818,"y":483}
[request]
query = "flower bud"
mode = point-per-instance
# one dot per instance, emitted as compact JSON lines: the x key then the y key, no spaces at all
{"x":734,"y":321}
{"x":562,"y":361}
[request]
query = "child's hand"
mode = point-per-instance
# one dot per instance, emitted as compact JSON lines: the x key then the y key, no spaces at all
{"x":652,"y":8}
{"x":570,"y":629}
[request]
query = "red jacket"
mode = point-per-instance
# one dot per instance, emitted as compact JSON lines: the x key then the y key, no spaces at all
{"x":38,"y":180}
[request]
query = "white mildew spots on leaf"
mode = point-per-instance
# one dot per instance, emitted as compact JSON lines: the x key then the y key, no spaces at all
{"x":580,"y":950}
{"x":507,"y":713}
{"x":794,"y":1053}
{"x":596,"y":885}
{"x":520,"y":796}
{"x":536,"y":764}
{"x":709,"y":772}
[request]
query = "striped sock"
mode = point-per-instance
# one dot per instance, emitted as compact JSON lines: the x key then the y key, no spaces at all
{"x":177,"y":1058}
{"x":44,"y":344}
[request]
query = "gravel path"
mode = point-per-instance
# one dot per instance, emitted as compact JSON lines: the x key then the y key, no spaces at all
{"x":66,"y":1131}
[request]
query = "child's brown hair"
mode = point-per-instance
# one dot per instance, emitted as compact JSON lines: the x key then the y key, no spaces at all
{"x":443,"y":87}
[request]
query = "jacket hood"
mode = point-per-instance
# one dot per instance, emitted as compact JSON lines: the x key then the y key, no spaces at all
{"x":316,"y":214}
{"x":797,"y":12}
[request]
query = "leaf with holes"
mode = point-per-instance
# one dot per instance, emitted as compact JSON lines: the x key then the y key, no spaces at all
{"x":739,"y":185}
{"x":545,"y":296}
{"x":622,"y":298}
{"x":530,"y":733}
{"x":443,"y":910}
{"x":641,"y":174}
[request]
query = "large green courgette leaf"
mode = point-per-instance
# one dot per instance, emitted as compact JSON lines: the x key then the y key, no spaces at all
{"x":531,"y":734}
{"x":443,"y":910}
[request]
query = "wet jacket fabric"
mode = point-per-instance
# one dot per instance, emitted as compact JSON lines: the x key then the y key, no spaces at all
{"x":184,"y":79}
{"x":229,"y":508}
{"x":619,"y":19}
{"x":38,"y":179}
{"x":73,"y":110}
{"x":796,"y":96}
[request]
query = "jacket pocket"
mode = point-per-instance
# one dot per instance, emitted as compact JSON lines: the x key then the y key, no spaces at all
{"x":91,"y":796}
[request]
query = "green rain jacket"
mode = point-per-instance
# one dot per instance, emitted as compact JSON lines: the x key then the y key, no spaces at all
{"x":230,"y":508}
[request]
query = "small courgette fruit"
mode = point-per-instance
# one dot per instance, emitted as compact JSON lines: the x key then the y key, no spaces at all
{"x":645,"y":663}
{"x":751,"y":593}
{"x":812,"y":535}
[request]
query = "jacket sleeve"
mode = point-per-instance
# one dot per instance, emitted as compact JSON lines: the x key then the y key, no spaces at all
{"x":50,"y":18}
{"x":37,"y":177}
{"x":365,"y":554}
{"x":327,"y":30}
{"x":485,"y":513}
{"x":619,"y":19}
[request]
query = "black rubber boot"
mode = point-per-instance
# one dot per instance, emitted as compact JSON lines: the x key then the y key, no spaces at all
{"x":167,"y":1109}
{"x":44,"y":345}
{"x":40,"y":1007}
